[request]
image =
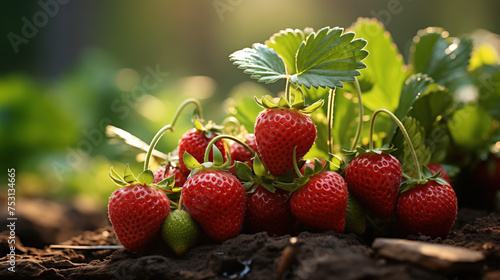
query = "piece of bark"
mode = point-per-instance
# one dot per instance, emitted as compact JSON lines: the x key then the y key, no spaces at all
{"x":436,"y":257}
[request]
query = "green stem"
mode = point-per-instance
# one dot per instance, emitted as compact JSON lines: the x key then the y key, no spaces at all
{"x":155,"y":140}
{"x":170,"y":127}
{"x":361,"y":114}
{"x":331,"y":98}
{"x":183,"y":105}
{"x":288,"y":93}
{"x":179,"y":206}
{"x":405,"y":134}
{"x":219,"y":137}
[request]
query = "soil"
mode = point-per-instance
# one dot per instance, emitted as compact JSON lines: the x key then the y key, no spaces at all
{"x":325,"y":255}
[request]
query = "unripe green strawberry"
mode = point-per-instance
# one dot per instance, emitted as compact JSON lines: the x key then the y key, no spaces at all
{"x":355,"y":217}
{"x":180,"y":231}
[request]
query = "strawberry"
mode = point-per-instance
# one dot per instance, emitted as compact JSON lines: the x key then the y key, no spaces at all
{"x":310,"y":163}
{"x":322,"y":202}
{"x":214,"y":197}
{"x":428,"y":208}
{"x":280,"y":128}
{"x":180,"y":231}
{"x":217,"y":201}
{"x":136,"y":210}
{"x":239,"y":153}
{"x":487,"y":176}
{"x":436,"y":167}
{"x":374,"y":178}
{"x":270,"y":212}
{"x":160,"y":173}
{"x":195,"y":142}
{"x":165,"y":171}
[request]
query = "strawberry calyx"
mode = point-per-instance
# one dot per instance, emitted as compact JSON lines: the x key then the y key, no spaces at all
{"x":309,"y":172}
{"x":411,"y":183}
{"x":218,"y":162}
{"x":210,"y":129}
{"x":351,"y":154}
{"x":299,"y":104}
{"x":260,"y":176}
{"x":145,"y":178}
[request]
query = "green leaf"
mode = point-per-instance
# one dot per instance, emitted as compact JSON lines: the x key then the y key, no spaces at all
{"x":329,"y":57}
{"x":283,"y":102}
{"x":146,"y":177}
{"x":261,"y":62}
{"x":345,"y":120}
{"x":298,"y":99}
{"x":198,"y":125}
{"x":190,"y":162}
{"x":167,"y":183}
{"x":243,"y":171}
{"x":286,"y":43}
{"x":128,"y":176}
{"x":470,"y":128}
{"x":442,"y":58}
{"x":430,"y":110}
{"x":383,"y":78}
{"x":413,"y":89}
{"x":258,"y":167}
{"x":218,"y":160}
{"x":417,"y":136}
{"x":116,"y":178}
{"x":312,"y":108}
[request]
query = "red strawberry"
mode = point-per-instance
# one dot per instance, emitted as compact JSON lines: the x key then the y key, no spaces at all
{"x":162,"y":173}
{"x":487,"y":176}
{"x":270,"y":212}
{"x":310,"y":163}
{"x":322,"y":202}
{"x":436,"y":167}
{"x":159,"y":174}
{"x":429,"y":209}
{"x":277,"y":132}
{"x":137,"y":213}
{"x":374,"y":178}
{"x":217,"y":201}
{"x":195,"y":142}
{"x":239,"y":153}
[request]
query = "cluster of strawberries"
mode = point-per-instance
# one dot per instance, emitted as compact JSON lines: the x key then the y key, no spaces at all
{"x":260,"y":182}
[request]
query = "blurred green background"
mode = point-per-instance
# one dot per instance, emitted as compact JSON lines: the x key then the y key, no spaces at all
{"x":69,"y":68}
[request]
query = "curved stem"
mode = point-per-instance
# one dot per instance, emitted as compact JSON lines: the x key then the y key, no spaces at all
{"x":329,"y":112}
{"x":155,"y":140}
{"x":170,"y":127}
{"x":361,"y":114}
{"x":183,"y":105}
{"x":231,"y":120}
{"x":223,"y":136}
{"x":405,"y":134}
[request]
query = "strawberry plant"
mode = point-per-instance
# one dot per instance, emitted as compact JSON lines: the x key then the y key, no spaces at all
{"x":305,"y":154}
